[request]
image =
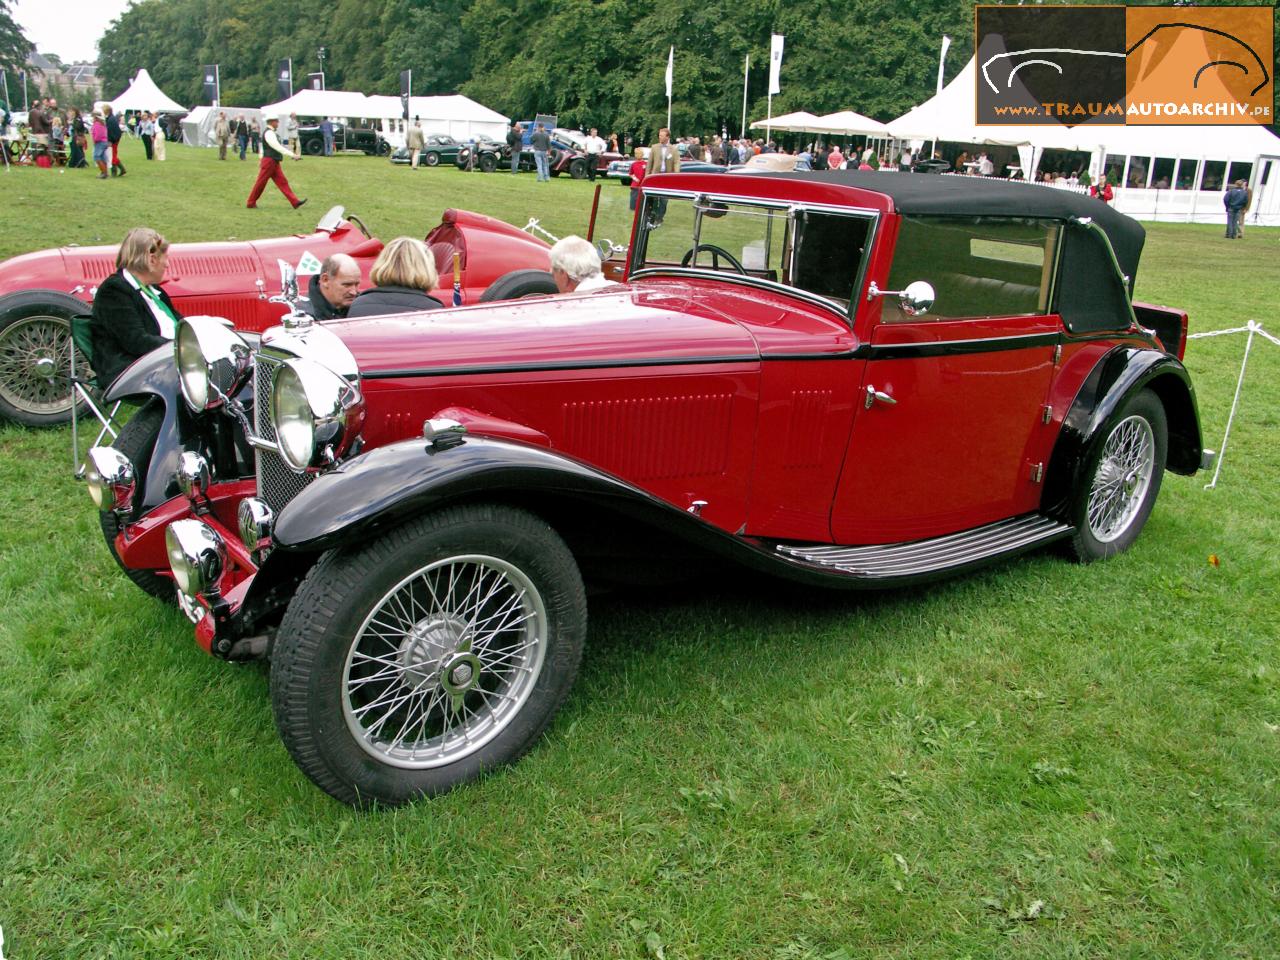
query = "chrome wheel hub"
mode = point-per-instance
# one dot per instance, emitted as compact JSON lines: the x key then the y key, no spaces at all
{"x":35,"y":359}
{"x":1122,"y":479}
{"x":444,"y":662}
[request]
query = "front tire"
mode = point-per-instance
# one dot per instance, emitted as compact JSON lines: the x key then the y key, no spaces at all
{"x":488,"y":163}
{"x":35,"y":356}
{"x":137,"y":441}
{"x":436,"y":653}
{"x":1120,"y":487}
{"x":578,"y":168}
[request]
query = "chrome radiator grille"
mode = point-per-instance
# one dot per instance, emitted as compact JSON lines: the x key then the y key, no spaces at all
{"x":277,"y":484}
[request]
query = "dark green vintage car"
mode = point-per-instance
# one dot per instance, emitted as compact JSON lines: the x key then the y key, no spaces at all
{"x":437,"y":148}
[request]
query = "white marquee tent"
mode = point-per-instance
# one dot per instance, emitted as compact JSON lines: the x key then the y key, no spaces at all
{"x":1145,"y":160}
{"x":458,"y":116}
{"x":852,"y":124}
{"x":143,"y":94}
{"x":799,"y":122}
{"x":321,"y":103}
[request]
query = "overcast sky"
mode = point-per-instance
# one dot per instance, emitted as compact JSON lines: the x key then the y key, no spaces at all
{"x":69,"y":28}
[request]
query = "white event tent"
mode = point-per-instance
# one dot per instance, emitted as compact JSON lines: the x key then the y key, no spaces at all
{"x":851,"y":124}
{"x":453,"y":114}
{"x":456,"y":115}
{"x":1160,"y":172}
{"x":143,"y":94}
{"x":799,"y":122}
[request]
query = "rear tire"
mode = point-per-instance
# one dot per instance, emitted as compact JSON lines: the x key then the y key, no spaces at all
{"x":137,"y":441}
{"x":429,"y":656}
{"x":432,"y":159}
{"x":313,"y":148}
{"x":518,"y":284}
{"x":1122,"y":482}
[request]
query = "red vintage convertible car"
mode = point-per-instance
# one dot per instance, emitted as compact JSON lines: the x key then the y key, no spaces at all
{"x":40,"y":292}
{"x":858,"y":380}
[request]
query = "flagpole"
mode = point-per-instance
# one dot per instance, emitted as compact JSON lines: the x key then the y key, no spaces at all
{"x":746,"y":72}
{"x":671,"y":60}
{"x":942,"y":62}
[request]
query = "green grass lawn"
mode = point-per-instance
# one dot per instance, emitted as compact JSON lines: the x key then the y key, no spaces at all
{"x":1041,"y":760}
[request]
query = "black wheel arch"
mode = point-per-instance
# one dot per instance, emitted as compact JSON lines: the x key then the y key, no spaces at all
{"x":1119,"y":374}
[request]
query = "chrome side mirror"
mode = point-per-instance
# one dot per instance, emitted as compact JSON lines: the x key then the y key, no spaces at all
{"x":917,"y":298}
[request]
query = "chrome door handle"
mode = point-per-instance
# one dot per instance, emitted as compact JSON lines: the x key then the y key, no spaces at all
{"x":874,"y":396}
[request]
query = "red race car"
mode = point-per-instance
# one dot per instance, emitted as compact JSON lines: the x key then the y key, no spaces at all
{"x":858,"y":380}
{"x":40,"y":292}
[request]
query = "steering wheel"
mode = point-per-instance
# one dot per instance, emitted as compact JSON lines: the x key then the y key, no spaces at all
{"x":360,"y":223}
{"x":716,"y":254}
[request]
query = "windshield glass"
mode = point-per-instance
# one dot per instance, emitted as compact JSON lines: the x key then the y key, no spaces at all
{"x":817,"y":251}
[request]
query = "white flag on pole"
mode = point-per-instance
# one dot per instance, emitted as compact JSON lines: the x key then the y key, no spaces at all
{"x":775,"y":63}
{"x":671,"y":63}
{"x":946,"y":43}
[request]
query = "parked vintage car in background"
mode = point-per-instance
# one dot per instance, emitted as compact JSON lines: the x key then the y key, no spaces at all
{"x":437,"y":148}
{"x":848,"y":379}
{"x":40,"y":292}
{"x":565,"y":156}
{"x":346,"y":136}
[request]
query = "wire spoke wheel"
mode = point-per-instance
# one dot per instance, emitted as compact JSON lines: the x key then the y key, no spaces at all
{"x":444,"y":661}
{"x":429,"y":655}
{"x":35,"y":364}
{"x":1115,"y":496}
{"x":1122,"y":479}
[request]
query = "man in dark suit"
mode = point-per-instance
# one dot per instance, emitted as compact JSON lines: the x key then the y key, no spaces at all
{"x":132,"y":315}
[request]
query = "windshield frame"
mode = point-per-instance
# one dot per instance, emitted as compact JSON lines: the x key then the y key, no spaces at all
{"x":848,"y":312}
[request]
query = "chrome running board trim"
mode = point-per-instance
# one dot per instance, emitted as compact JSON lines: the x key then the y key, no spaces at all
{"x":893,"y":561}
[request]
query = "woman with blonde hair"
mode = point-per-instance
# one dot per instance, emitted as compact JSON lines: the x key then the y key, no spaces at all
{"x":402,"y":275}
{"x":132,"y":315}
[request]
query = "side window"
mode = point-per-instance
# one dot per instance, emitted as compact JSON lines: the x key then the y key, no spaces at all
{"x":977,"y":266}
{"x":828,"y":253}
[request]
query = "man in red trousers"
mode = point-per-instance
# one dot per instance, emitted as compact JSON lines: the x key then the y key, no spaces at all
{"x":273,"y":151}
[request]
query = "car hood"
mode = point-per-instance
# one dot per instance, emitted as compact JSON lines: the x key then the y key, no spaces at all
{"x":620,"y":326}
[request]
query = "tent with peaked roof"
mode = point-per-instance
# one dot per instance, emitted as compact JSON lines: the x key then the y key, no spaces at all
{"x":799,"y":122}
{"x":452,"y":114}
{"x":851,"y":124}
{"x":143,"y":94}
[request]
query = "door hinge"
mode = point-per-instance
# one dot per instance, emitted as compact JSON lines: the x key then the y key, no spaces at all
{"x":1047,"y":416}
{"x":1037,"y":472}
{"x":1057,"y":354}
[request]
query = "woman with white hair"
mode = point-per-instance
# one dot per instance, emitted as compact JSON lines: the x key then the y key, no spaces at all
{"x":402,"y":275}
{"x":575,"y":265}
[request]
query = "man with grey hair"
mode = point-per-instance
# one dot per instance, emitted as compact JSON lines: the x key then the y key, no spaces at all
{"x":333,"y":289}
{"x":575,"y":265}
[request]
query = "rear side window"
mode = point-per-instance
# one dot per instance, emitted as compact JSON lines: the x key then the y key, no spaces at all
{"x":977,"y":266}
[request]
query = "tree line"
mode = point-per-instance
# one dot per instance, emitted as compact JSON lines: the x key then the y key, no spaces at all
{"x":591,"y":62}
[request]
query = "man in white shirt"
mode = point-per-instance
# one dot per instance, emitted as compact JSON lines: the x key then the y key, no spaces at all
{"x":575,"y":266}
{"x":595,"y":146}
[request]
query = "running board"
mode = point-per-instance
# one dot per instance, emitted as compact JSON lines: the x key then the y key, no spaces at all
{"x":921,"y":558}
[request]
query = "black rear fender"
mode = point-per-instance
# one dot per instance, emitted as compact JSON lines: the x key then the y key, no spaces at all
{"x":1118,"y":375}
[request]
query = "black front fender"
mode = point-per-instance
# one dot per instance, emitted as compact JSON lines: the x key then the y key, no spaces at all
{"x":383,"y":487}
{"x":156,"y":375}
{"x":1117,"y":376}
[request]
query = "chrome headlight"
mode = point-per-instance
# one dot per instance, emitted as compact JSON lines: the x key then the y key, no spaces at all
{"x":254,"y":517}
{"x":197,"y":556}
{"x":110,"y":478}
{"x":213,"y":361}
{"x":317,"y":414}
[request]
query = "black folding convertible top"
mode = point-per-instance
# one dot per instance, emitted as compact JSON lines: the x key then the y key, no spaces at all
{"x":958,"y":196}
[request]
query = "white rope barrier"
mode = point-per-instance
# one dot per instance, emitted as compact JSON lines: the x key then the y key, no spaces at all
{"x":1253,"y":327}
